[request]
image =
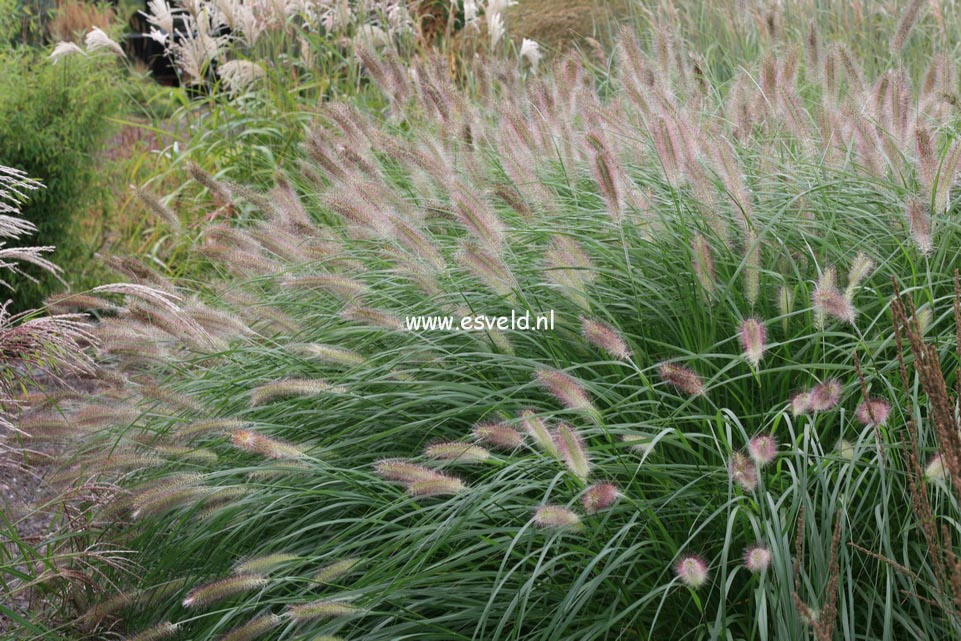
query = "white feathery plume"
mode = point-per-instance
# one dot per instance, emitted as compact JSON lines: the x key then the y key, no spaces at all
{"x":64,"y":49}
{"x":97,"y":40}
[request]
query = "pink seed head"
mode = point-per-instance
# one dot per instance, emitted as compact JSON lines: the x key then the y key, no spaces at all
{"x":833,"y":303}
{"x":692,"y":571}
{"x":683,"y":378}
{"x":763,"y":449}
{"x":801,"y":403}
{"x":743,"y":472}
{"x":604,"y":337}
{"x":499,"y":435}
{"x":873,"y":412}
{"x":753,"y":337}
{"x":599,"y":496}
{"x":825,"y":395}
{"x":757,"y":558}
{"x":567,"y":390}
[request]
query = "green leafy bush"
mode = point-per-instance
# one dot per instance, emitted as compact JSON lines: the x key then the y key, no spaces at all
{"x":54,"y":119}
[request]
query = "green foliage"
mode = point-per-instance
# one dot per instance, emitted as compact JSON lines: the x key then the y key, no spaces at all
{"x":54,"y":120}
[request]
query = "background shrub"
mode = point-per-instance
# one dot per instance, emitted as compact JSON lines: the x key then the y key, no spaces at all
{"x":54,"y":119}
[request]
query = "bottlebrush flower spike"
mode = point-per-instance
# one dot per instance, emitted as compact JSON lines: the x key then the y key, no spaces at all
{"x":438,"y":485}
{"x":536,"y":429}
{"x":260,"y":565}
{"x":753,"y":338}
{"x":605,"y":337}
{"x":757,"y":558}
{"x":599,"y":496}
{"x":861,"y":268}
{"x":330,"y":354}
{"x":220,"y":590}
{"x":287,"y":388}
{"x":919,"y":224}
{"x":831,"y":302}
{"x":873,"y":411}
{"x":160,"y":631}
{"x":264,"y":445}
{"x":763,"y":449}
{"x":335,"y":570}
{"x":567,"y":390}
{"x":743,"y":472}
{"x":824,"y":396}
{"x":323,"y":609}
{"x":683,"y":378}
{"x":454,"y":451}
{"x":571,"y":447}
{"x":555,"y":516}
{"x":499,"y":435}
{"x":403,"y":471}
{"x":253,"y":628}
{"x":692,"y":571}
{"x":208,"y":426}
{"x":704,"y":264}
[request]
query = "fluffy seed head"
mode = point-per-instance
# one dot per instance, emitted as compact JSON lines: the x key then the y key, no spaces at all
{"x":873,"y":412}
{"x":536,"y":429}
{"x":801,"y":403}
{"x":335,"y":570}
{"x":555,"y":516}
{"x":438,"y":485}
{"x":454,"y":451}
{"x":935,"y":469}
{"x":919,"y":224}
{"x":599,"y":496}
{"x":604,"y":337}
{"x":683,"y":378}
{"x":704,"y":264}
{"x":253,"y":628}
{"x":160,"y":631}
{"x":220,"y":590}
{"x":845,"y":449}
{"x":263,"y":564}
{"x":330,"y":354}
{"x":567,"y":390}
{"x":825,"y":395}
{"x":499,"y":435}
{"x":692,"y":571}
{"x":323,"y":609}
{"x":64,"y":49}
{"x":403,"y":471}
{"x":861,"y":268}
{"x":831,"y":302}
{"x":288,"y":387}
{"x":757,"y":558}
{"x":572,"y":450}
{"x":763,"y":449}
{"x":753,"y":338}
{"x":256,"y":443}
{"x":97,"y":39}
{"x":638,"y":442}
{"x":743,"y":472}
